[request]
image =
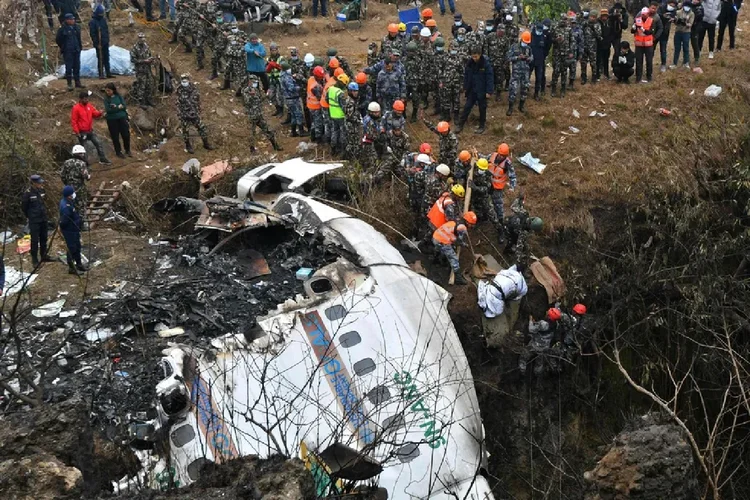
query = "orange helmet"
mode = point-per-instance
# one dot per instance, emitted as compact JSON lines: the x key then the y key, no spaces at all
{"x":333,"y":63}
{"x":554,"y":314}
{"x":503,"y":149}
{"x":464,"y":156}
{"x":426,"y":13}
{"x":526,"y":37}
{"x":361,"y":78}
{"x":425,"y":148}
{"x":393,"y":28}
{"x":430,"y":23}
{"x":470,"y":217}
{"x":443,"y":127}
{"x":338,"y":72}
{"x":579,"y":309}
{"x":398,"y":105}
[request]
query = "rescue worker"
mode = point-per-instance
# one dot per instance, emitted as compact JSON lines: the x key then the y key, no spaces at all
{"x":412,"y":65}
{"x":273,"y":70}
{"x":390,"y":42}
{"x":372,"y":58}
{"x":32,"y":205}
{"x":185,"y":24}
{"x":577,"y":49}
{"x":252,"y":98}
{"x":99,"y":32}
{"x":450,"y":234}
{"x":291,"y":94}
{"x":336,"y":100}
{"x":426,"y":15}
{"x":70,"y":227}
{"x":426,"y":54}
{"x":219,"y":39}
{"x":393,"y":118}
{"x":398,"y":145}
{"x":522,"y":59}
{"x":364,"y":96}
{"x":343,"y":63}
{"x":75,"y":172}
{"x":431,"y":24}
{"x":203,"y":12}
{"x":563,"y":44}
{"x":592,"y":37}
{"x":496,"y":49}
{"x":479,"y":84}
{"x":448,"y":141}
{"x":458,"y":23}
{"x":450,"y":80}
{"x":68,"y":39}
{"x":189,"y":112}
{"x":435,"y":183}
{"x":82,"y":118}
{"x":144,"y":87}
{"x":481,"y":186}
{"x":645,"y":31}
{"x":540,"y":42}
{"x":416,"y":167}
{"x":391,"y":85}
{"x":462,"y":167}
{"x":333,"y":67}
{"x":235,"y":57}
{"x":353,"y":125}
{"x":462,"y":44}
{"x":300,"y":73}
{"x":518,"y":227}
{"x":446,"y":208}
{"x":538,"y":348}
{"x":503,"y":174}
{"x":370,"y":134}
{"x":314,"y":95}
{"x":403,"y":38}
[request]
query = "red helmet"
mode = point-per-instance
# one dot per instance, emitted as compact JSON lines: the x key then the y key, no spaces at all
{"x":554,"y":314}
{"x":425,"y":148}
{"x":398,"y":105}
{"x":443,"y":127}
{"x":319,"y":72}
{"x":361,"y":78}
{"x":579,"y":309}
{"x":426,"y":13}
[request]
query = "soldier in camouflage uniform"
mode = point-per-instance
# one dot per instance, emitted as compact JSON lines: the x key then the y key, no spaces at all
{"x":461,"y":43}
{"x":563,"y":46}
{"x":300,"y":73}
{"x":353,"y":124}
{"x":235,"y":69}
{"x":522,"y":59}
{"x":398,"y":144}
{"x":75,"y":172}
{"x":252,"y":97}
{"x":592,"y":36}
{"x":219,"y":35}
{"x":393,"y":118}
{"x":203,"y":15}
{"x":343,"y":63}
{"x":476,"y":38}
{"x":317,"y":124}
{"x":144,"y":86}
{"x":577,"y":50}
{"x":189,"y":112}
{"x":518,"y":227}
{"x":391,"y":85}
{"x":416,"y":166}
{"x":290,"y":88}
{"x":273,"y":68}
{"x":372,"y":79}
{"x":412,"y":66}
{"x":364,"y":96}
{"x":25,"y":21}
{"x":370,"y":135}
{"x":481,"y":186}
{"x":390,"y":42}
{"x":448,"y":142}
{"x":496,"y":49}
{"x":426,"y":56}
{"x":186,"y":23}
{"x":450,"y":76}
{"x":435,"y":184}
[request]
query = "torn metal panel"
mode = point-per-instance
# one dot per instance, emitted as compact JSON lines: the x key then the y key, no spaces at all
{"x":228,"y":214}
{"x":270,"y":180}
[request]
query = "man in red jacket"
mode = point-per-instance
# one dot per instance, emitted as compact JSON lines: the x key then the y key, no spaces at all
{"x":82,"y":121}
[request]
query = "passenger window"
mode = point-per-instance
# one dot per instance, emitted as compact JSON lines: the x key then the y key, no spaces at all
{"x":408,"y":452}
{"x":321,"y":285}
{"x":394,"y":423}
{"x":379,"y":395}
{"x":335,"y":312}
{"x":364,"y":366}
{"x":183,"y":435}
{"x":194,"y":469}
{"x":350,"y":339}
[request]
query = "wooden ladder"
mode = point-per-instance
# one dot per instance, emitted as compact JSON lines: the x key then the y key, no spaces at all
{"x":100,"y":204}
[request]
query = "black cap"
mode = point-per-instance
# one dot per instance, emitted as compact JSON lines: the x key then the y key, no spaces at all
{"x":69,"y":16}
{"x":36,"y":178}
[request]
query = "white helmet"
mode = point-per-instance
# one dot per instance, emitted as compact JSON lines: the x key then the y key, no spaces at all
{"x":425,"y":32}
{"x":373,"y":107}
{"x":443,"y":169}
{"x":423,"y":158}
{"x":79,"y":150}
{"x":309,"y":58}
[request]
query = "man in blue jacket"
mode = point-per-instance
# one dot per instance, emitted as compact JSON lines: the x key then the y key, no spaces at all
{"x":256,"y":59}
{"x":69,"y":40}
{"x":70,"y":227}
{"x":99,"y":31}
{"x":479,"y":84}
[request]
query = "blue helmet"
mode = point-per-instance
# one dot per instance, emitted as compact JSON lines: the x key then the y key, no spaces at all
{"x":68,"y":190}
{"x":353,"y":86}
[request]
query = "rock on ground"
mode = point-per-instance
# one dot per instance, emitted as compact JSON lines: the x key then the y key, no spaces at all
{"x":38,"y":477}
{"x":652,"y":460}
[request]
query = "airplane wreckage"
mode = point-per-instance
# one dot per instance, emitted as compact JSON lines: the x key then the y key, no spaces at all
{"x":362,"y":375}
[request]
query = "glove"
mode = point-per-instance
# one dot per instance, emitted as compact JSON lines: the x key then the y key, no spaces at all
{"x":648,"y":32}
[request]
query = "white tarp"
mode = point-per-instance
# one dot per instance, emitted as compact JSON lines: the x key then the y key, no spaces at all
{"x":16,"y":280}
{"x":489,"y":297}
{"x":119,"y":63}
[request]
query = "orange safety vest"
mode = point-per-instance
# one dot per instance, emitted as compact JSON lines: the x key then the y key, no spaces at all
{"x":324,"y":100}
{"x":436,"y":215}
{"x":447,"y":233}
{"x":499,"y":175}
{"x":641,"y":39}
{"x":312,"y":101}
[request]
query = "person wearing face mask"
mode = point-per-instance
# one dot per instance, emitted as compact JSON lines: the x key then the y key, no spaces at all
{"x":522,"y":60}
{"x":711,"y":11}
{"x":353,"y":124}
{"x":479,"y":84}
{"x":235,"y":69}
{"x":462,"y":44}
{"x":70,"y":227}
{"x":252,"y":98}
{"x":458,"y":22}
{"x":539,"y":43}
{"x":273,"y":70}
{"x":683,"y":23}
{"x":647,"y":28}
{"x":441,"y":57}
{"x":412,"y":66}
{"x":189,"y":112}
{"x":256,"y":59}
{"x":623,"y":63}
{"x":450,"y":78}
{"x":667,"y":13}
{"x":512,"y":32}
{"x":699,"y":13}
{"x":563,"y":56}
{"x":496,"y":49}
{"x":218,"y":41}
{"x":603,"y":47}
{"x":592,"y":36}
{"x":291,"y":91}
{"x":144,"y":86}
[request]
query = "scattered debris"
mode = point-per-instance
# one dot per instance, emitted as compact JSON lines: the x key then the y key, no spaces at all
{"x":698,"y":70}
{"x":519,"y":127}
{"x":16,"y":280}
{"x":7,"y":237}
{"x":47,"y":310}
{"x":533,"y":163}
{"x":712,"y":91}
{"x":592,"y":114}
{"x":573,"y":129}
{"x":24,"y":244}
{"x":576,"y":114}
{"x":613,"y":124}
{"x":215,"y":171}
{"x":171,"y":332}
{"x":45,"y":81}
{"x":665,"y":112}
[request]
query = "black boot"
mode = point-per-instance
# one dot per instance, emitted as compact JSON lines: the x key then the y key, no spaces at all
{"x":189,"y":147}
{"x":200,"y":65}
{"x":72,"y":270}
{"x":79,"y":85}
{"x":188,"y":48}
{"x":584,"y":79}
{"x":536,"y":95}
{"x":562,"y":90}
{"x":206,"y":145}
{"x":288,"y":119}
{"x":226,"y":84}
{"x":553,"y":92}
{"x":459,"y":127}
{"x":302,"y":132}
{"x":214,"y":75}
{"x":82,"y":267}
{"x":279,"y":111}
{"x":521,"y":105}
{"x":497,"y":96}
{"x":294,"y":131}
{"x":570,"y":85}
{"x":174,"y":37}
{"x":238,"y":92}
{"x":510,"y":109}
{"x":413,"y":118}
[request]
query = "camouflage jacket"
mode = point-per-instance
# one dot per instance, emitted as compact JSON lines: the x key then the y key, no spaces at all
{"x":563,"y":42}
{"x":516,"y":57}
{"x":434,"y":186}
{"x":74,"y":173}
{"x":592,"y":33}
{"x":188,"y":102}
{"x":451,"y":70}
{"x":235,"y":47}
{"x":252,"y":97}
{"x":138,"y":55}
{"x":390,"y":121}
{"x":399,"y":144}
{"x":496,"y":49}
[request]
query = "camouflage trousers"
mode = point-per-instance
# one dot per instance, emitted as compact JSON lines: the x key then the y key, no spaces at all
{"x":390,"y":166}
{"x":483,"y":207}
{"x":194,"y":122}
{"x":368,"y":157}
{"x":294,"y":106}
{"x":589,"y":58}
{"x":200,"y":42}
{"x":450,"y":100}
{"x":143,"y":88}
{"x":450,"y":253}
{"x":217,"y":52}
{"x":338,"y":135}
{"x":412,"y":96}
{"x":260,"y":122}
{"x":423,"y":94}
{"x":326,"y":116}
{"x":499,"y":74}
{"x":520,"y":82}
{"x":498,"y":197}
{"x":353,"y":139}
{"x":560,"y":68}
{"x":235,"y":70}
{"x":317,"y":128}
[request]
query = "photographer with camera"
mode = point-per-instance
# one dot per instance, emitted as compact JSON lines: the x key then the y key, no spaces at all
{"x":667,"y":13}
{"x":683,"y":24}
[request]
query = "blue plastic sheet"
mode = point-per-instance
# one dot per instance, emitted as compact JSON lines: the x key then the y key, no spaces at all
{"x":119,"y":63}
